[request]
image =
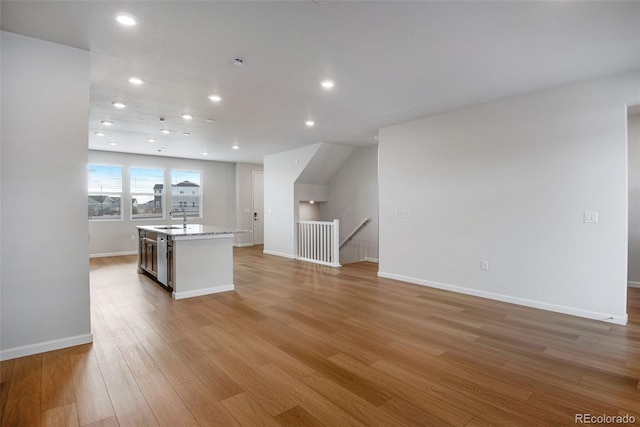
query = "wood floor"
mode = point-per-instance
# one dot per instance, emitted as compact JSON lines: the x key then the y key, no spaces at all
{"x":304,"y":345}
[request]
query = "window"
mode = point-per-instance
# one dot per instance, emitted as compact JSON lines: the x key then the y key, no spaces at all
{"x":147,"y":193}
{"x":186,"y":193}
{"x":105,"y":192}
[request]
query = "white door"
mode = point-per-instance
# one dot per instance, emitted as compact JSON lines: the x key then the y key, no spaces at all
{"x":258,"y":207}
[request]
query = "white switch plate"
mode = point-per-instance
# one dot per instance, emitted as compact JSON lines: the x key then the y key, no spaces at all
{"x":591,"y":217}
{"x":406,"y":214}
{"x":392,"y":213}
{"x":484,"y":265}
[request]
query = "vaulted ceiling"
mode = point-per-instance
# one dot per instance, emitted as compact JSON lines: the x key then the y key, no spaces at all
{"x":391,"y":61}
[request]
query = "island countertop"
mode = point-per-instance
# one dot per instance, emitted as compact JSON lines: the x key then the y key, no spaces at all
{"x":190,"y":261}
{"x":191,"y":230}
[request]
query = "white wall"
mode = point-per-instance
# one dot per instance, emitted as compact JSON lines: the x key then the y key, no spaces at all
{"x":508,"y":182}
{"x":353,"y":196}
{"x":634,"y":200}
{"x":310,"y":211}
{"x":307,"y":192}
{"x":45,"y":266}
{"x":244,"y":201}
{"x":1,"y":221}
{"x":219,"y":199}
{"x":280,"y":205}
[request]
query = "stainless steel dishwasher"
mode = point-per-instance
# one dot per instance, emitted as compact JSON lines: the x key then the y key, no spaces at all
{"x":162,"y":258}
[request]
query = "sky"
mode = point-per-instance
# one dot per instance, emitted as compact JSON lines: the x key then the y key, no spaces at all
{"x":108,"y":179}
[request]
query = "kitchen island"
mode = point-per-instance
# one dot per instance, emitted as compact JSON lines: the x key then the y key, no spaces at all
{"x":189,"y":261}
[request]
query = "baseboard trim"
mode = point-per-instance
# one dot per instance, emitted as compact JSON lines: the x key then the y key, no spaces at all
{"x":369,"y":259}
{"x":242,"y":245}
{"x":619,"y":320}
{"x":28,"y":350}
{"x":633,"y":284}
{"x":201,"y":292}
{"x":108,"y":254}
{"x":315,"y":261}
{"x":280,"y":254}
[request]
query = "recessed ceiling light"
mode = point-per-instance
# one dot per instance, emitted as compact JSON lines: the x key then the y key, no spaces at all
{"x":187,"y":116}
{"x":136,"y":80}
{"x":113,"y":143}
{"x":311,"y":201}
{"x":100,"y":133}
{"x":119,"y":104}
{"x":205,"y":154}
{"x":126,"y":19}
{"x":327,"y":84}
{"x":309,"y":123}
{"x":215,"y":98}
{"x":211,"y":120}
{"x":151,"y":139}
{"x":186,"y":133}
{"x":165,"y":131}
{"x":107,"y":122}
{"x":235,"y":146}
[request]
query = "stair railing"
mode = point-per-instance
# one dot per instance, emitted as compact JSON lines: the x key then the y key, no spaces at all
{"x":318,"y":242}
{"x":354,"y":232}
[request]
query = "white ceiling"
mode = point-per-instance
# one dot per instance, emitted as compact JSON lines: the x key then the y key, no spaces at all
{"x":392,"y":61}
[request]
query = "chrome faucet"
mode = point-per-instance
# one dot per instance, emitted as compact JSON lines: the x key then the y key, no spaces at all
{"x":184,"y":217}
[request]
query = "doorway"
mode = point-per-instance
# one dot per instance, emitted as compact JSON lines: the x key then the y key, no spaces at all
{"x":257,"y":185}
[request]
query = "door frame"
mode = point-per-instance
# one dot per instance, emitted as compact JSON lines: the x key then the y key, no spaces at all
{"x":253,"y":207}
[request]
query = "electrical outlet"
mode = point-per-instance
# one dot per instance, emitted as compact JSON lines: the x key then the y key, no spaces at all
{"x":484,"y":265}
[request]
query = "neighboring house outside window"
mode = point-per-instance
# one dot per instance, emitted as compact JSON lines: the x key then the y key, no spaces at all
{"x":186,"y":193}
{"x":158,"y":191}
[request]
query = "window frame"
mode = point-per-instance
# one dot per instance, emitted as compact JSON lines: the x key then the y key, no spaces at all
{"x":90,"y":193}
{"x":178,"y":215}
{"x":163,"y":196}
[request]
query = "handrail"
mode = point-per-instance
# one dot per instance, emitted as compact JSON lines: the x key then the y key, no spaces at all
{"x":353,"y":233}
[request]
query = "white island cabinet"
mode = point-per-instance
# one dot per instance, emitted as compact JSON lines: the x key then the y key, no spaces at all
{"x":189,"y":261}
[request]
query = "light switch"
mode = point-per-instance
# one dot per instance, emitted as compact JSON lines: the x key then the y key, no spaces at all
{"x":406,"y":214}
{"x":392,"y":213}
{"x":591,"y":217}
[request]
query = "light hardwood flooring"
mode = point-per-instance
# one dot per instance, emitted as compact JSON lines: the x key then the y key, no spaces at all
{"x":299,"y":344}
